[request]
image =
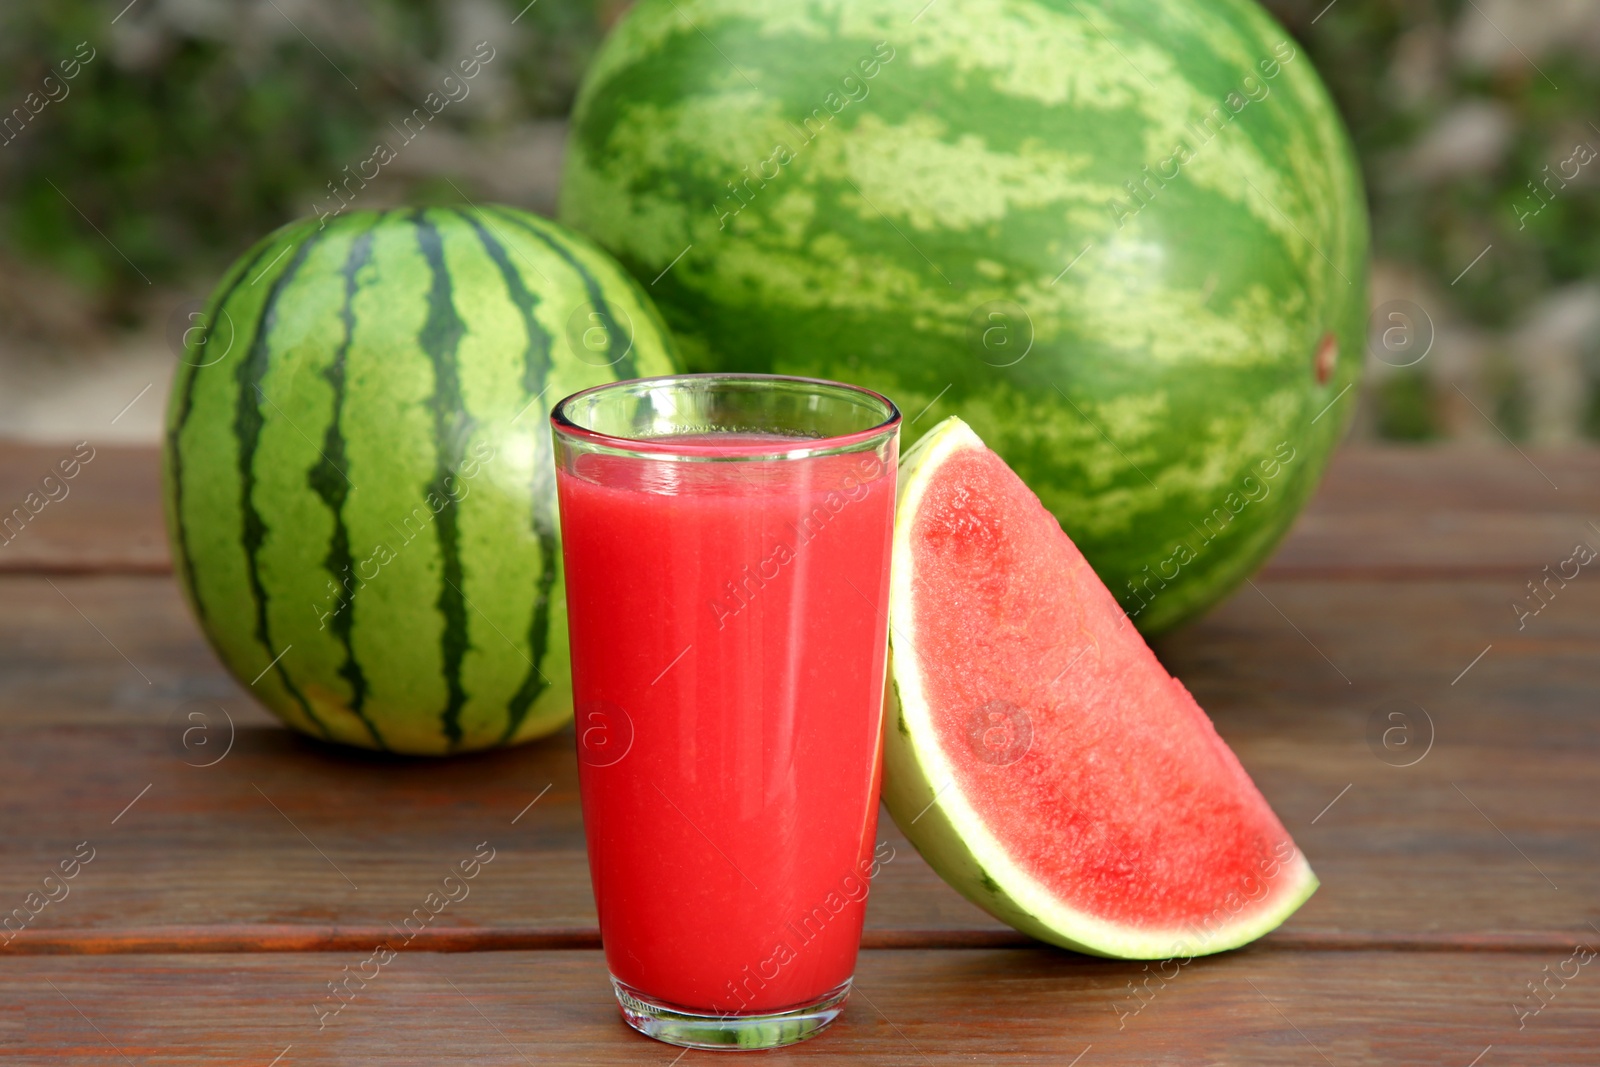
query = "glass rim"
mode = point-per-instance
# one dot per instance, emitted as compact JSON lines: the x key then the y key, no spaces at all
{"x":679,"y":449}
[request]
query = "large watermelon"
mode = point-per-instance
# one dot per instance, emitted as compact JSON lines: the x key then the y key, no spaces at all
{"x":1125,"y":241}
{"x":359,"y":484}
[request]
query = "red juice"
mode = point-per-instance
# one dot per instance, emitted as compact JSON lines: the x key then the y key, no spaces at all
{"x":728,"y":633}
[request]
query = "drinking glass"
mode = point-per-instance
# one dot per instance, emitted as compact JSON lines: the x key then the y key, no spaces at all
{"x":727,"y":541}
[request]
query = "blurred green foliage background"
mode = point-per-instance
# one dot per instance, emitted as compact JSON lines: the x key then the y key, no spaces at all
{"x":193,"y":126}
{"x":202,"y":124}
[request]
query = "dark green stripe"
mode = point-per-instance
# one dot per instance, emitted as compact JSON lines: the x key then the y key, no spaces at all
{"x":624,"y":366}
{"x":330,"y":481}
{"x":248,"y":420}
{"x":452,"y":426}
{"x":535,"y":380}
{"x":185,"y":406}
{"x":536,"y":355}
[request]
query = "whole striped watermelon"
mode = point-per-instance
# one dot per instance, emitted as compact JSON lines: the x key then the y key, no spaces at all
{"x":1125,"y":241}
{"x":359,"y":483}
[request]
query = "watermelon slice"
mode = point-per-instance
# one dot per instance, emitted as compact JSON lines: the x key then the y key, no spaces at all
{"x":1038,"y":756}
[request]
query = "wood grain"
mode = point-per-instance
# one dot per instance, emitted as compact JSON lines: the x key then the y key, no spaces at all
{"x":1016,"y":1006}
{"x":204,"y":858}
{"x":1379,"y":512}
{"x":222,"y":898}
{"x":107,"y":518}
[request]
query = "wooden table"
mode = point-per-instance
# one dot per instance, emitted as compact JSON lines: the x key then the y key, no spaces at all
{"x":221,"y":900}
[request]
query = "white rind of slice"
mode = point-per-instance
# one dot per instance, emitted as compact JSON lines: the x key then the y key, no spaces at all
{"x":931,"y":810}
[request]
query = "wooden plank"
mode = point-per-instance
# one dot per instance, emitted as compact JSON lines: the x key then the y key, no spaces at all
{"x":1381,"y":512}
{"x":1404,"y":545}
{"x":105,"y":518}
{"x":203,"y":859}
{"x":1461,"y":476}
{"x":85,"y":650}
{"x":287,"y":843}
{"x":1257,"y":1006}
{"x":1448,"y":512}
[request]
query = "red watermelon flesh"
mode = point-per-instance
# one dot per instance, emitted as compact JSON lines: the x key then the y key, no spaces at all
{"x":1042,"y":759}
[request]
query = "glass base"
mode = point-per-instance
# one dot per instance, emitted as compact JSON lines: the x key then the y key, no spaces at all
{"x":677,"y":1026}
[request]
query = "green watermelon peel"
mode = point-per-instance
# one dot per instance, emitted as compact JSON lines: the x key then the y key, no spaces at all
{"x":963,"y":240}
{"x":358,"y":485}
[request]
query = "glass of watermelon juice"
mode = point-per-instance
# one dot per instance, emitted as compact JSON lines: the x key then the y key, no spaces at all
{"x":727,"y":542}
